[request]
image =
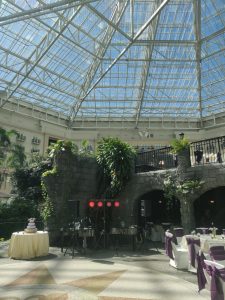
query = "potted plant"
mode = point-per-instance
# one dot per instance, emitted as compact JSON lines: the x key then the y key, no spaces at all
{"x":180,"y":145}
{"x":181,"y":148}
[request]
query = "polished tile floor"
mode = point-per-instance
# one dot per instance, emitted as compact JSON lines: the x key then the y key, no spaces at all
{"x":100,"y":275}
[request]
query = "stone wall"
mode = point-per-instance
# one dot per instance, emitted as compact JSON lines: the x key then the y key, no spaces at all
{"x":75,"y":180}
{"x":213,"y":176}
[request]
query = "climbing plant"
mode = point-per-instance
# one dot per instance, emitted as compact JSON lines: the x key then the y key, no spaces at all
{"x":116,"y":160}
{"x":62,"y":146}
{"x":175,"y":188}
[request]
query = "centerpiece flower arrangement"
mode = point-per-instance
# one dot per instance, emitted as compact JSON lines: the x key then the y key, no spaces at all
{"x":213,"y":229}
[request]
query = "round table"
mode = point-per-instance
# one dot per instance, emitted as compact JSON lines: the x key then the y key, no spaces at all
{"x":28,"y":245}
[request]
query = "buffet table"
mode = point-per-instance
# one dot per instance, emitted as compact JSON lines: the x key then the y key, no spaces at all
{"x":28,"y":245}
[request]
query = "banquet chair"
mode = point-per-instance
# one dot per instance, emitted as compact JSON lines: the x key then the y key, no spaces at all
{"x":179,"y":233}
{"x":193,"y":248}
{"x":216,"y":274}
{"x":178,"y":256}
{"x":202,"y":275}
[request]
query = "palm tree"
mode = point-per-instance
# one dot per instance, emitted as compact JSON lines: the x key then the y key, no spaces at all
{"x":5,"y":143}
{"x":11,"y":154}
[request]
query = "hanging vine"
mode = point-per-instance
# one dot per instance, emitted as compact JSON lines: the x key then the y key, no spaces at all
{"x":174,"y":188}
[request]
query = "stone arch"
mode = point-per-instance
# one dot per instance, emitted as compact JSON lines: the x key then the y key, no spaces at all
{"x":209,"y":208}
{"x":152,"y":207}
{"x":140,"y":184}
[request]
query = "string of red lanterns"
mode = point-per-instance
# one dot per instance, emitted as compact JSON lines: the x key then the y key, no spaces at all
{"x":100,"y":203}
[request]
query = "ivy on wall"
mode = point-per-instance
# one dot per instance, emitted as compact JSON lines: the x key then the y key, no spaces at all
{"x":175,"y":188}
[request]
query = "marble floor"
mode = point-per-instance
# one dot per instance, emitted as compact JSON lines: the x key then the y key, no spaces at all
{"x":101,"y":275}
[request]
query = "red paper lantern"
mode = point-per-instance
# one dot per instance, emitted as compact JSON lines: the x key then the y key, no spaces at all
{"x":116,"y":203}
{"x":108,"y":204}
{"x":91,"y":204}
{"x":100,"y":203}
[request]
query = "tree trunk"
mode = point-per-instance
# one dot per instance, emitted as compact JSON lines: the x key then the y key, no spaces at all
{"x":187,"y":214}
{"x":184,"y":162}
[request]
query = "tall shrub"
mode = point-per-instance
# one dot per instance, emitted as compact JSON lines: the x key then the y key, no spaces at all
{"x":116,"y":159}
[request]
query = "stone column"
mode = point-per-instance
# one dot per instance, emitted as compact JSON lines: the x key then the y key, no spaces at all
{"x":187,"y":213}
{"x":184,"y":162}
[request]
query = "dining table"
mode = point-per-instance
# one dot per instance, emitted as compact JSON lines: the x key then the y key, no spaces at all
{"x":206,"y":241}
{"x":28,"y":245}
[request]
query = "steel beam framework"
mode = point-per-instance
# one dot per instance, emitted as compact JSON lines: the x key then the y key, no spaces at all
{"x":111,"y":58}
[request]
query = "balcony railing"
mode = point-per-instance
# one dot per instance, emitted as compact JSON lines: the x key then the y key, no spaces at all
{"x":155,"y":160}
{"x":208,"y":151}
{"x":202,"y":152}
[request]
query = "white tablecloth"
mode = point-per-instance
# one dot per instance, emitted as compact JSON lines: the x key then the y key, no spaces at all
{"x":28,"y":245}
{"x":206,"y":241}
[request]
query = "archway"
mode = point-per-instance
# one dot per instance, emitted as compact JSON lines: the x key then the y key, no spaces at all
{"x":210,"y":208}
{"x":153,"y":207}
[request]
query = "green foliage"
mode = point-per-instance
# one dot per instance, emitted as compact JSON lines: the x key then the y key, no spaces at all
{"x":27,"y":181}
{"x":5,"y":143}
{"x":179,"y":145}
{"x":173,"y":188}
{"x":116,"y":159}
{"x":189,"y":186}
{"x":62,"y":146}
{"x":14,"y":214}
{"x":17,"y":157}
{"x":86,"y":149}
{"x":50,"y":172}
{"x":47,"y":208}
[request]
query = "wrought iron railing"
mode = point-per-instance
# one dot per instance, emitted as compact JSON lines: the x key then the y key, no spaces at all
{"x":155,"y":160}
{"x":208,"y":151}
{"x":201,"y":152}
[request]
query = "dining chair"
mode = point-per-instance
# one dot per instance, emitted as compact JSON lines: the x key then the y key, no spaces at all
{"x":193,"y":247}
{"x":179,"y":233}
{"x":216,"y":273}
{"x":202,"y":275}
{"x":178,"y":256}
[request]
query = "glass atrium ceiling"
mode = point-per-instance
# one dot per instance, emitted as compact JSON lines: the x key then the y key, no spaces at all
{"x":107,"y":59}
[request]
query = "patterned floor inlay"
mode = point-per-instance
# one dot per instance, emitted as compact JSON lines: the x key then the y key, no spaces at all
{"x":119,"y":298}
{"x":96,"y":284}
{"x":40,"y":275}
{"x":53,"y":296}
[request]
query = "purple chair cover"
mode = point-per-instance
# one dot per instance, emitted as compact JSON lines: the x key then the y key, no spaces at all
{"x":168,"y":245}
{"x":179,"y":232}
{"x":200,"y":274}
{"x":191,"y":242}
{"x":216,"y":293}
